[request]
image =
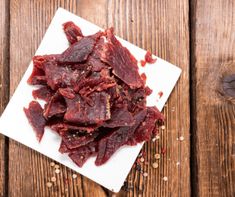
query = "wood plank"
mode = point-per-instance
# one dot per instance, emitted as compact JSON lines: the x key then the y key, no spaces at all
{"x":148,"y":24}
{"x":4,"y":89}
{"x":30,"y":171}
{"x":162,"y":27}
{"x":213,"y":46}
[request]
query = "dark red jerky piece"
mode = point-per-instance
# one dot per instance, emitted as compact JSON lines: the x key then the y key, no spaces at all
{"x":77,"y":52}
{"x":55,"y":107}
{"x":60,"y":77}
{"x":108,"y":145}
{"x":72,"y":31}
{"x":35,"y":117}
{"x":146,"y":129}
{"x":40,"y":60}
{"x":67,"y":93}
{"x":78,"y":111}
{"x":65,"y":127}
{"x":149,"y":58}
{"x":44,"y":93}
{"x":81,"y":154}
{"x":37,"y":77}
{"x":120,"y":59}
{"x":63,"y":148}
{"x":148,"y":90}
{"x":75,"y":139}
{"x":160,"y":94}
{"x":119,"y":118}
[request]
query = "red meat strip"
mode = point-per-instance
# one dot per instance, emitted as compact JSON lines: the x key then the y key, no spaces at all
{"x":63,"y":148}
{"x":65,"y":127}
{"x":75,"y":139}
{"x":79,"y":111}
{"x":40,"y":61}
{"x":120,"y":59}
{"x":34,"y":114}
{"x":77,"y":52}
{"x":108,"y":145}
{"x":67,"y":92}
{"x":149,"y":58}
{"x":119,"y":118}
{"x":37,"y":77}
{"x":60,"y":77}
{"x":55,"y":107}
{"x":72,"y":31}
{"x":81,"y":154}
{"x":147,"y":128}
{"x":44,"y":93}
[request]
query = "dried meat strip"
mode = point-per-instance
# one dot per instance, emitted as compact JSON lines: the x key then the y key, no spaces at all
{"x":108,"y":145}
{"x":34,"y":114}
{"x":43,"y":93}
{"x":120,"y":59}
{"x":72,"y":32}
{"x":79,"y":111}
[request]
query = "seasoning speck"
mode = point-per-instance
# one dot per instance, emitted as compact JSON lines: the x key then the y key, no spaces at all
{"x":53,"y":179}
{"x":155,"y":165}
{"x":165,"y":178}
{"x":181,"y":138}
{"x":49,"y":184}
{"x":142,"y":159}
{"x":74,"y":176}
{"x":157,"y":156}
{"x":145,"y":174}
{"x":52,"y":164}
{"x":57,"y":171}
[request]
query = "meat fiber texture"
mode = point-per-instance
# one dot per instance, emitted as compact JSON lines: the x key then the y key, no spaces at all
{"x":95,"y":97}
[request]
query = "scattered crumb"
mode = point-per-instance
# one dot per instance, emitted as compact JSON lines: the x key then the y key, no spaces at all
{"x":53,"y":179}
{"x":57,"y":166}
{"x":178,"y":163}
{"x":155,"y":165}
{"x":165,"y":178}
{"x":57,"y":171}
{"x":181,"y":138}
{"x":52,"y":164}
{"x":157,"y":137}
{"x":139,"y":64}
{"x":163,"y":127}
{"x":145,"y":174}
{"x":154,"y":139}
{"x":74,"y":176}
{"x":49,"y":184}
{"x":157,"y":156}
{"x":142,"y":159}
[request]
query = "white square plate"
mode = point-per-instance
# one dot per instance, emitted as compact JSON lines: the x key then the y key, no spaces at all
{"x":161,"y":76}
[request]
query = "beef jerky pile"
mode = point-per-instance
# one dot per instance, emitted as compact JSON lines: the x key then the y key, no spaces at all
{"x":95,"y":97}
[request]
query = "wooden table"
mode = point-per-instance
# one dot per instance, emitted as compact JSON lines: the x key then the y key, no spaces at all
{"x":196,"y":35}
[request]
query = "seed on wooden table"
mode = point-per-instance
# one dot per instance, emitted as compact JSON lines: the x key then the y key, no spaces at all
{"x":178,"y":163}
{"x":57,"y":171}
{"x":155,"y":165}
{"x":163,"y":127}
{"x":145,"y":174}
{"x":154,"y":139}
{"x":53,"y":179}
{"x":157,"y":137}
{"x":49,"y":184}
{"x":52,"y":164}
{"x":74,"y":176}
{"x":165,"y":178}
{"x":142,"y":159}
{"x":181,"y":138}
{"x":157,"y":156}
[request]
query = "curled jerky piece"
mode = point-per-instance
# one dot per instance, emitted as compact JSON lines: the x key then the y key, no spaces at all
{"x":34,"y":114}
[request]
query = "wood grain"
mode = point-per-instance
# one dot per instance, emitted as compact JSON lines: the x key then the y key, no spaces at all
{"x":29,"y":175}
{"x":213,"y":45}
{"x":4,"y":89}
{"x":160,"y":26}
